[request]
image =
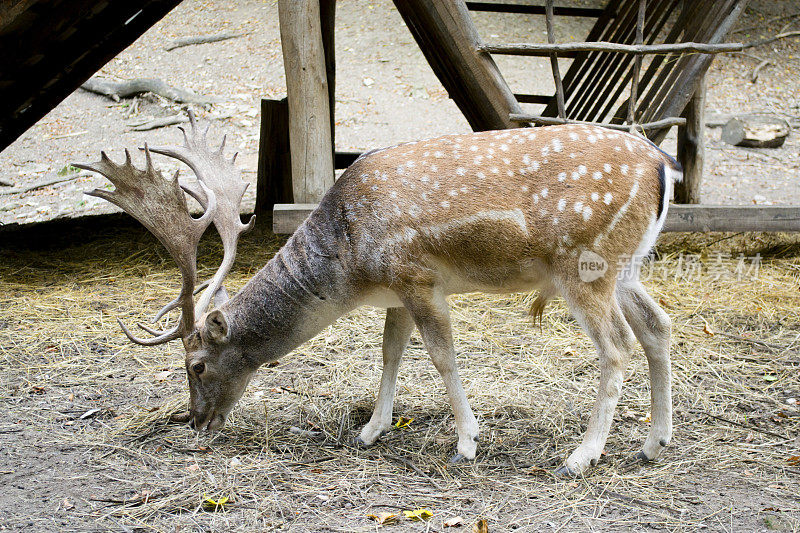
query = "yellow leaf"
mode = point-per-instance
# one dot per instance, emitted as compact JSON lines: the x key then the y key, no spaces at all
{"x":403,"y":422}
{"x":383,"y":518}
{"x":418,"y":514}
{"x":211,"y":504}
{"x":482,"y":526}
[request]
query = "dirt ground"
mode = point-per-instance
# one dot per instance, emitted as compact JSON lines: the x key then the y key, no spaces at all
{"x":83,"y":437}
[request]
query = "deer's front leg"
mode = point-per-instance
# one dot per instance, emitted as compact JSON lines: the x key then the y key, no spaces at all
{"x":396,"y":333}
{"x":433,"y":320}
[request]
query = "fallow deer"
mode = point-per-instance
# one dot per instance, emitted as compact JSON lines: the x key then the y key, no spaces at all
{"x":403,"y":228}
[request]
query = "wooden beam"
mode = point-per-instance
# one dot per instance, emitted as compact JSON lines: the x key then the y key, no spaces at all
{"x":732,"y":218}
{"x":700,"y":218}
{"x":447,"y":37}
{"x":274,"y":183}
{"x":531,"y":49}
{"x":691,"y":152}
{"x":527,"y":9}
{"x":647,"y":126}
{"x":309,"y":107}
{"x":327,"y":11}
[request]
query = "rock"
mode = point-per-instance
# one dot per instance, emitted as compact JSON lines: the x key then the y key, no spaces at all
{"x":756,"y":131}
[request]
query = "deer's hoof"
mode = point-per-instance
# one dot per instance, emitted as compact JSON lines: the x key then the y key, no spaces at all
{"x":565,"y":472}
{"x":642,"y":457}
{"x":358,"y":442}
{"x":458,"y":458}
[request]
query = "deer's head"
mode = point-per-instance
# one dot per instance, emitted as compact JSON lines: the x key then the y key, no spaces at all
{"x":217,"y":370}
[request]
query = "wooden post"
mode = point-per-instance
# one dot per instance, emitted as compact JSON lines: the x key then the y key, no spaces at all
{"x":309,"y":107}
{"x":327,"y":10}
{"x":274,"y":184}
{"x":447,"y":37}
{"x":691,"y":152}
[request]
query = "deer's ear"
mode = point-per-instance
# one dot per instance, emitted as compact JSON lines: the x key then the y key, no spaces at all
{"x":217,"y":326}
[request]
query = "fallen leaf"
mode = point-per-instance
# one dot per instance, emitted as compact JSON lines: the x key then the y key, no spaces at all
{"x":454,"y":522}
{"x":770,"y":377}
{"x":162,"y":376}
{"x":403,"y":422}
{"x":210,"y":504}
{"x":193,"y":468}
{"x":67,"y":504}
{"x":707,"y":330}
{"x":418,"y":514}
{"x":384,"y":518}
{"x":794,"y":460}
{"x":482,"y":526}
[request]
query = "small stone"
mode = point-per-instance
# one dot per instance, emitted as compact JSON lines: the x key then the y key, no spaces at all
{"x":368,"y":82}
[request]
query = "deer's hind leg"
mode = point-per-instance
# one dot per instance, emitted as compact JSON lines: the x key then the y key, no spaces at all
{"x":597,"y":310}
{"x":651,"y":325}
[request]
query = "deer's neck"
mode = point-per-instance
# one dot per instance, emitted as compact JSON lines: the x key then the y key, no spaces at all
{"x":296,"y":295}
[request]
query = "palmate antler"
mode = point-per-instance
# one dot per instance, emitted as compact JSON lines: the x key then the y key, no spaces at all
{"x":160,"y":205}
{"x":223,"y":178}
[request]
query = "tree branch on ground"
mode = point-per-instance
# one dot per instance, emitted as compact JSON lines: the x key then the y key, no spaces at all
{"x":201,"y":39}
{"x":124,"y":89}
{"x":44,"y":183}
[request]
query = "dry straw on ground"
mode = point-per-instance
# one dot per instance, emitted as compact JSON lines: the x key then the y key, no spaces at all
{"x":72,"y":383}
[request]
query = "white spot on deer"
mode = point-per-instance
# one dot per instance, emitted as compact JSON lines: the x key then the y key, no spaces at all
{"x":562,"y":204}
{"x":534,"y":166}
{"x":617,"y":148}
{"x":607,"y":197}
{"x":573,"y":136}
{"x":595,"y":196}
{"x":425,"y":196}
{"x":562,"y":176}
{"x":453,"y":193}
{"x":507,"y":161}
{"x":461,"y":171}
{"x":393,"y":194}
{"x":606,"y":167}
{"x":364,"y":178}
{"x":414,"y":210}
{"x":494,"y":170}
{"x":557,"y":146}
{"x":473,"y":148}
{"x":624,"y":169}
{"x":592,"y":139}
{"x":504,"y":147}
{"x":478,"y":159}
{"x":621,"y":213}
{"x":490,"y":151}
{"x":426,"y":154}
{"x":578,"y":207}
{"x":628,"y":145}
{"x":575,"y":175}
{"x":437,"y":153}
{"x":544,"y":192}
{"x":424,"y":179}
{"x":597,"y":175}
{"x":481,"y":175}
{"x":436,"y":185}
{"x":463,"y":189}
{"x":542,"y":212}
{"x":510,"y":173}
{"x":410,"y":164}
{"x":396,"y":211}
{"x":434,"y":168}
{"x":374,"y":187}
{"x":524,"y":188}
{"x":444,"y":203}
{"x":573,"y":155}
{"x":555,"y":221}
{"x":587,"y":213}
{"x":639,"y":171}
{"x":545,"y":150}
{"x":526,"y":159}
{"x":582,"y":170}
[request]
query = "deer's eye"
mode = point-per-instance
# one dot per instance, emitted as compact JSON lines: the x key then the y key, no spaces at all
{"x":198,"y":368}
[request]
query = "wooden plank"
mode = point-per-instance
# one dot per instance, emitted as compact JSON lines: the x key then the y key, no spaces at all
{"x":309,"y":108}
{"x":701,"y":218}
{"x":683,"y":217}
{"x":327,"y":11}
{"x":447,"y":37}
{"x":274,"y":182}
{"x":691,"y":152}
{"x":551,"y":39}
{"x":286,"y":218}
{"x":637,"y":63}
{"x":527,"y":9}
